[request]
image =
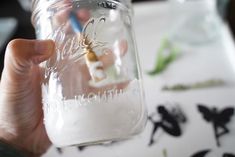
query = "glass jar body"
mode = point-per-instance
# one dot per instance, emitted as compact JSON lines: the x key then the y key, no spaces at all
{"x":92,"y":87}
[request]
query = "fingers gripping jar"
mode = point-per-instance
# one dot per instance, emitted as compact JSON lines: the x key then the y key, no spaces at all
{"x":91,"y":87}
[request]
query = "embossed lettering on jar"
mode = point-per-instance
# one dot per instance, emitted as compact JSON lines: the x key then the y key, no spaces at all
{"x":92,"y":86}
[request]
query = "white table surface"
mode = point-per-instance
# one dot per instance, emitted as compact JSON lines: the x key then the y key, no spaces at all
{"x":153,"y":21}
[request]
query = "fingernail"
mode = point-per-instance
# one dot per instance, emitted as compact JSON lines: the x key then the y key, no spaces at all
{"x":44,"y":46}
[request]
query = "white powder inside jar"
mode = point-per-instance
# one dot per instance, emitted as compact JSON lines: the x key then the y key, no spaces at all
{"x":76,"y":122}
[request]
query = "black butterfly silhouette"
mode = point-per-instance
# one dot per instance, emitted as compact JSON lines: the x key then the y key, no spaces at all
{"x":219,"y":119}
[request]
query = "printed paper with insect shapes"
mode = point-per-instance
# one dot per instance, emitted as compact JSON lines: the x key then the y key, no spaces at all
{"x":196,"y":122}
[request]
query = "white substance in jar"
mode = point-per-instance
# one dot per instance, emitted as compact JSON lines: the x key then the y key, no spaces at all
{"x":82,"y":120}
{"x":96,"y":73}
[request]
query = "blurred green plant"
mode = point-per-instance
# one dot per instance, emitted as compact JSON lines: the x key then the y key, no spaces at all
{"x":164,"y":153}
{"x":198,"y":85}
{"x":166,"y":54}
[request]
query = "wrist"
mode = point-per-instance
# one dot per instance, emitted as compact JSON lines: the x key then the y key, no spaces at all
{"x":8,"y":143}
{"x":12,"y":150}
{"x":33,"y":143}
{"x":8,"y":150}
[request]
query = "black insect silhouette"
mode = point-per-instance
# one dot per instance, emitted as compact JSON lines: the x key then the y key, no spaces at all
{"x":205,"y":152}
{"x":228,"y":155}
{"x":81,"y":148}
{"x":219,"y":119}
{"x":169,"y":122}
{"x":59,"y":150}
{"x":201,"y":153}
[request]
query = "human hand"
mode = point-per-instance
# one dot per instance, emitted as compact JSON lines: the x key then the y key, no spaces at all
{"x":21,"y":115}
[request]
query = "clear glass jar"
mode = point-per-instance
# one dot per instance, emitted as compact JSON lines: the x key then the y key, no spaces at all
{"x":92,"y":87}
{"x":197,"y":25}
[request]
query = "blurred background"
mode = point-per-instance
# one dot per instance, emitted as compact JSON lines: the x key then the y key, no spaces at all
{"x":19,"y":24}
{"x":200,"y":67}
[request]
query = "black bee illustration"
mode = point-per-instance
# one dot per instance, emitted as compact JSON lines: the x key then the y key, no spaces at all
{"x":169,"y":122}
{"x":219,"y":119}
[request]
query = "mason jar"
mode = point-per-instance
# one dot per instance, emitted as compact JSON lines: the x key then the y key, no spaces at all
{"x":91,"y":87}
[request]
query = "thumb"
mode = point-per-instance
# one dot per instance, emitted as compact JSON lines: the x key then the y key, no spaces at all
{"x":22,"y":54}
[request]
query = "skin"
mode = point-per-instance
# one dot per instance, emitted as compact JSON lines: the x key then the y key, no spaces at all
{"x":21,"y":114}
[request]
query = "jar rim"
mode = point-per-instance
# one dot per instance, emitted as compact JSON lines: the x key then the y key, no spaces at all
{"x":38,"y":8}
